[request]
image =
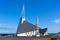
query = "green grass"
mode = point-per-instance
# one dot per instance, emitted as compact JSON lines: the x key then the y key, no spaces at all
{"x":42,"y":39}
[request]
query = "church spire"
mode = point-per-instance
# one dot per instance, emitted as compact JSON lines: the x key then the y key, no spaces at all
{"x":23,"y":14}
{"x":23,"y":11}
{"x":37,"y":21}
{"x":38,"y":34}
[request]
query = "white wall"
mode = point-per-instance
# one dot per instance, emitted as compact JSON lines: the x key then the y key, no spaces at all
{"x":31,"y":33}
{"x":46,"y":33}
{"x":27,"y":33}
{"x":22,"y":34}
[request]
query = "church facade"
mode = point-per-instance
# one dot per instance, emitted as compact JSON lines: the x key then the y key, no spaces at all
{"x":25,"y":28}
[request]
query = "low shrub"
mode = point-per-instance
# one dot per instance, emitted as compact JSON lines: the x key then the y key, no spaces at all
{"x":53,"y":38}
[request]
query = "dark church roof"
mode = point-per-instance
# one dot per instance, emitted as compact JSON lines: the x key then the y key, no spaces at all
{"x":27,"y":27}
{"x":42,"y":31}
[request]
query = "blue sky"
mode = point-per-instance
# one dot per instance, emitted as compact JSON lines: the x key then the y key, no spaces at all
{"x":48,"y":12}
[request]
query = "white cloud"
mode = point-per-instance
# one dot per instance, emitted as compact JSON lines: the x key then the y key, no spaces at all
{"x":7,"y":31}
{"x":4,"y":28}
{"x":57,"y":21}
{"x":0,"y":24}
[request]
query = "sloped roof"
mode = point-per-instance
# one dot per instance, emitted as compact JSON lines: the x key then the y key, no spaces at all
{"x":42,"y":31}
{"x":25,"y":27}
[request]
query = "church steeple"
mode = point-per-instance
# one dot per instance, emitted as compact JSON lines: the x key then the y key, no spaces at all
{"x":23,"y":14}
{"x":38,"y":34}
{"x":37,"y":21}
{"x":23,"y":11}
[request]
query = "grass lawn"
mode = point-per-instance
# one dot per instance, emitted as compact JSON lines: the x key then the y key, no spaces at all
{"x":42,"y":39}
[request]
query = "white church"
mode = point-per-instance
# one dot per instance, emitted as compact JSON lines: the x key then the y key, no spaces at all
{"x":25,"y":28}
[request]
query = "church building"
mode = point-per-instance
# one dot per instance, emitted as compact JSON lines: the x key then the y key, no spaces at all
{"x":25,"y":28}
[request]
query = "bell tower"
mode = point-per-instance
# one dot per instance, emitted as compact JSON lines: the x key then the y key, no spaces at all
{"x":37,"y":31}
